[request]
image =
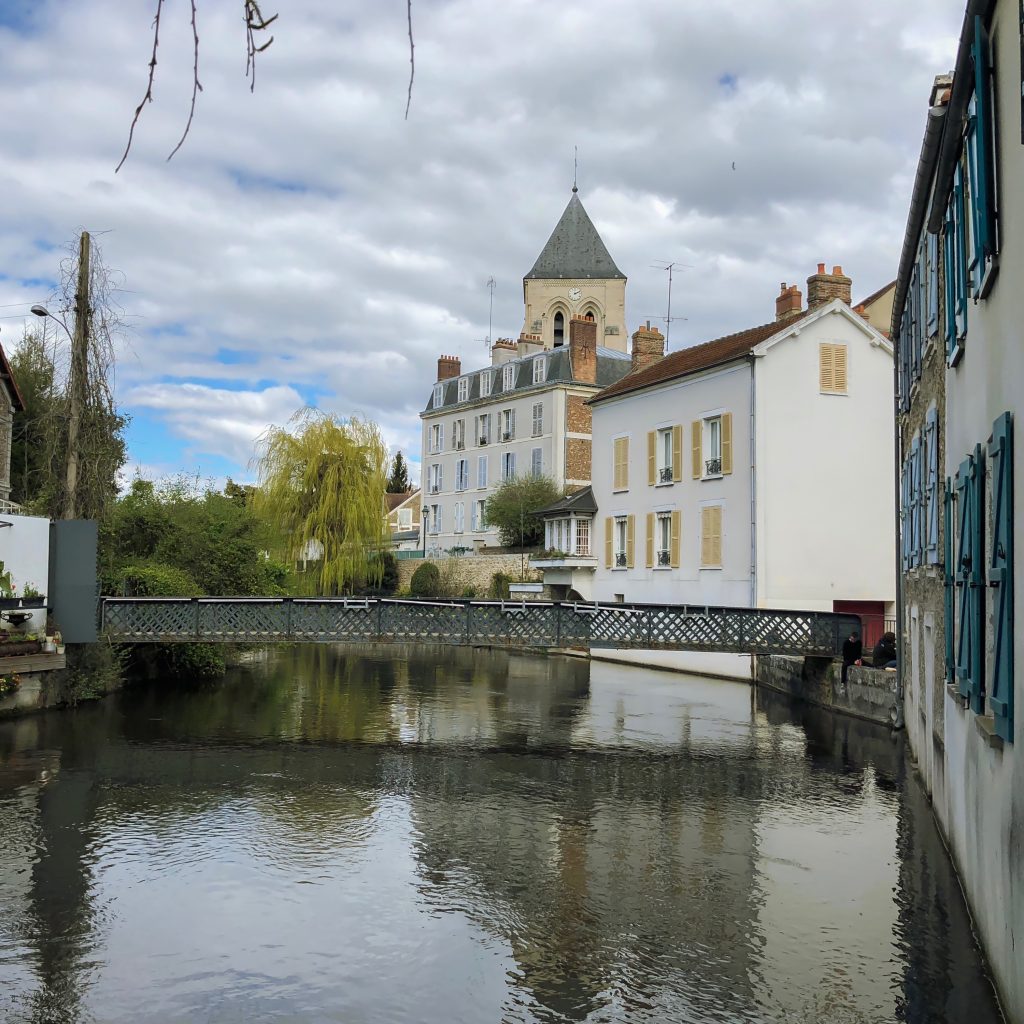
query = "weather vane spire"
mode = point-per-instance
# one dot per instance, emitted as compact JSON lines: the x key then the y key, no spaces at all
{"x":575,"y":155}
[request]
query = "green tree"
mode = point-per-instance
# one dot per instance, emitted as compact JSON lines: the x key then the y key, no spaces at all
{"x":398,"y":481}
{"x":321,"y":491}
{"x":513,"y":506}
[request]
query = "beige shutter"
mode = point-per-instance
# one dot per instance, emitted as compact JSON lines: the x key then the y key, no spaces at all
{"x":839,"y":368}
{"x":620,"y":478}
{"x":650,"y":539}
{"x":727,"y":442}
{"x":630,"y":541}
{"x":652,"y":461}
{"x":695,"y":448}
{"x":609,"y":527}
{"x":677,"y":529}
{"x":711,"y":536}
{"x":677,"y":452}
{"x":705,"y":547}
{"x":716,"y":520}
{"x":826,"y":367}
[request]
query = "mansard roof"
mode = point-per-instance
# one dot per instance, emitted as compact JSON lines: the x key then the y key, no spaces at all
{"x":575,"y":249}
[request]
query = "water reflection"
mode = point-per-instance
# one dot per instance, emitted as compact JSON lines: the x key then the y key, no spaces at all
{"x":437,"y":835}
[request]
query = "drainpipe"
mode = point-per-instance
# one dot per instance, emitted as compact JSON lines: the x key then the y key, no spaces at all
{"x":753,"y":503}
{"x":898,"y":721}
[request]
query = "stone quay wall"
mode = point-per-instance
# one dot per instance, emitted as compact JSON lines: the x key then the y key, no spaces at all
{"x":472,"y":570}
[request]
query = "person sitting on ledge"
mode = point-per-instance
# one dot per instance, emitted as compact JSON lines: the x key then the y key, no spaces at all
{"x":884,"y":654}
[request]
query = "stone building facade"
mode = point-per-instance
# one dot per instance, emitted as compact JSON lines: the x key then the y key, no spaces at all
{"x":10,"y":403}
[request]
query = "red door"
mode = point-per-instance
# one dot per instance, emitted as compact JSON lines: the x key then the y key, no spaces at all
{"x":872,"y":614}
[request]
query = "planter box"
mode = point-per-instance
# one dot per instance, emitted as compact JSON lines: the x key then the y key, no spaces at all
{"x":15,"y":650}
{"x":7,"y":603}
{"x":34,"y":602}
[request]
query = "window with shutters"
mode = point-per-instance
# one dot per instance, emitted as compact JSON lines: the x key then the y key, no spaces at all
{"x":481,"y":471}
{"x":485,"y":383}
{"x":621,"y":541}
{"x":979,"y":154}
{"x":479,"y":514}
{"x":508,"y":376}
{"x":540,"y":364}
{"x":954,"y":251}
{"x":462,"y":474}
{"x":914,"y":513}
{"x":712,"y":434}
{"x":458,"y":435}
{"x":1000,"y":575}
{"x":436,"y":438}
{"x":947,"y":579}
{"x":663,"y":541}
{"x":932,"y":285}
{"x":969,"y":579}
{"x":483,"y":428}
{"x":711,"y":537}
{"x":668,"y":455}
{"x":832,"y":375}
{"x":463,"y":389}
{"x":508,"y":424}
{"x":508,"y":465}
{"x":931,"y":487}
{"x":536,"y":462}
{"x":538,"y":419}
{"x":435,"y":518}
{"x":460,"y":516}
{"x":905,"y":514}
{"x":434,"y":478}
{"x":620,"y":464}
{"x":438,"y":395}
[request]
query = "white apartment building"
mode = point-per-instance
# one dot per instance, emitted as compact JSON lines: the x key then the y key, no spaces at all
{"x":754,"y":470}
{"x":526,"y":412}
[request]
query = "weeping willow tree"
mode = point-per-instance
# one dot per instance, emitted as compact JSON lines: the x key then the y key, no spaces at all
{"x":321,"y":489}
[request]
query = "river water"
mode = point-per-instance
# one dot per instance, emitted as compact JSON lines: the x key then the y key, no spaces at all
{"x":439,"y":835}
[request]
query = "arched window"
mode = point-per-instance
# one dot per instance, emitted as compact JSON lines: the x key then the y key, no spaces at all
{"x":590,"y":312}
{"x":559,"y":329}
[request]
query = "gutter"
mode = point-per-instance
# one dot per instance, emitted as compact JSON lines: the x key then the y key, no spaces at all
{"x":897,"y":441}
{"x":753,"y":482}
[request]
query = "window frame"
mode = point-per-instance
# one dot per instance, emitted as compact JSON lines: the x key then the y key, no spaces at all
{"x":540,"y":370}
{"x":463,"y":390}
{"x":486,"y":379}
{"x":508,"y":377}
{"x":711,"y":426}
{"x":438,"y":395}
{"x":538,"y":419}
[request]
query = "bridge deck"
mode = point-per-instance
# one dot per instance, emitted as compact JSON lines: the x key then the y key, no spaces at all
{"x":495,"y":623}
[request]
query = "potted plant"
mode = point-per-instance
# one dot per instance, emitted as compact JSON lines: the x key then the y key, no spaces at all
{"x":32,"y":598}
{"x":7,"y":596}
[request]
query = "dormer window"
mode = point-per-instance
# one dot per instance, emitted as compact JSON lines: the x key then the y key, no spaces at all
{"x":463,"y":389}
{"x":559,"y":329}
{"x":438,"y":395}
{"x":539,"y":369}
{"x":508,"y":376}
{"x":485,"y":383}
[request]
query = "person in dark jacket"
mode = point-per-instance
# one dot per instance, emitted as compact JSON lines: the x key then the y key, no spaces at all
{"x":853,"y":649}
{"x":884,"y":654}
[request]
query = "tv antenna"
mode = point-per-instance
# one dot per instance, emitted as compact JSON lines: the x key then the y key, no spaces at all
{"x":491,"y":285}
{"x":670,"y":266}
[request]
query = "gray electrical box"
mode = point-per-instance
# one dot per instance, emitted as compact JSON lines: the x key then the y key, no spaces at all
{"x":73,"y":591}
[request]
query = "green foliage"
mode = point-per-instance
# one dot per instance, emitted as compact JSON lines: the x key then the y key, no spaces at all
{"x":499,"y":589}
{"x":154,"y":580}
{"x":321,"y":492}
{"x":513,"y":506}
{"x":93,"y":670}
{"x":398,"y":481}
{"x":469,"y":592}
{"x":426,"y":581}
{"x":6,"y":583}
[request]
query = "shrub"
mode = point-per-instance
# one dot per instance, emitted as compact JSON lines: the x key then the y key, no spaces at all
{"x":513,"y":506}
{"x":426,"y":581}
{"x":499,"y":590}
{"x":469,"y":592}
{"x":155,"y":580}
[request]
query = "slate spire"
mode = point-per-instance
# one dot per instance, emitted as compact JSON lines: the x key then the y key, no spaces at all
{"x":575,"y":249}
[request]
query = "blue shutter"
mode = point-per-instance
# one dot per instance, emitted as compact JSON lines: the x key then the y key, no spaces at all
{"x":983,"y":187}
{"x":915,"y":502}
{"x":960,"y":255}
{"x":905,"y":514}
{"x":1000,"y":574}
{"x":949,"y":279}
{"x":969,"y":578}
{"x":947,"y":577}
{"x":931,"y":487}
{"x":933,"y":284}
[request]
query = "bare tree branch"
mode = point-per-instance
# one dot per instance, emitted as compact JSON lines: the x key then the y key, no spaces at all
{"x":412,"y":62}
{"x":196,"y":85}
{"x":255,"y":22}
{"x":148,"y":97}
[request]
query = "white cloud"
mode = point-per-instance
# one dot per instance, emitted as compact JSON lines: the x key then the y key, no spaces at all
{"x":309,"y":241}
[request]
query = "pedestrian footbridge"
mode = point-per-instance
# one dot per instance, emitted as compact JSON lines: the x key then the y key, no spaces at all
{"x":524,"y":624}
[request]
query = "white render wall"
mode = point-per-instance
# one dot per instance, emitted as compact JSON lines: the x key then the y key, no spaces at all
{"x":633,"y":415}
{"x":824,"y":470}
{"x":25,"y":552}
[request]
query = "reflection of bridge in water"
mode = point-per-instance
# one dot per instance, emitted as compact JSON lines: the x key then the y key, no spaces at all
{"x":475,"y":623}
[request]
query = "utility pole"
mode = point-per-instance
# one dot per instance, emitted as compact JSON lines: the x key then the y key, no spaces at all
{"x":77,"y":378}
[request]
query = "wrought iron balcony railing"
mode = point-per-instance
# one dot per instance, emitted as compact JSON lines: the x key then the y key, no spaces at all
{"x":664,"y":558}
{"x":620,"y":560}
{"x":507,"y":435}
{"x":713,"y":467}
{"x":483,"y":440}
{"x":665,"y":475}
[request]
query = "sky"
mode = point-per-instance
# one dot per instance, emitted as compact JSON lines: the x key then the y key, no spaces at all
{"x":308,"y":245}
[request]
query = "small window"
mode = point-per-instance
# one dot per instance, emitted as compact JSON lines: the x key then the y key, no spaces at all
{"x":538,"y":419}
{"x":405,"y":518}
{"x":711,"y":537}
{"x":508,"y":376}
{"x":559,"y":330}
{"x":463,"y":389}
{"x":485,"y":383}
{"x":537,"y":462}
{"x":438,"y":395}
{"x":832,"y":369}
{"x":583,"y":537}
{"x":539,"y":369}
{"x":620,"y":468}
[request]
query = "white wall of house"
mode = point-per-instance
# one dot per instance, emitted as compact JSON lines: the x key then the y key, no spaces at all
{"x":25,"y":552}
{"x":824,"y":468}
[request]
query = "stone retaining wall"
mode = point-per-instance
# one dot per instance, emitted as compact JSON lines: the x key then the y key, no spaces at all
{"x":472,"y":570}
{"x":868,"y":693}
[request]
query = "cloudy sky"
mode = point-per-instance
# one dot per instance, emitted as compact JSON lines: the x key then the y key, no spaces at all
{"x":308,"y":245}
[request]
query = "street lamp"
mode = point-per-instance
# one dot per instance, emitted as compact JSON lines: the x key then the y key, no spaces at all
{"x":426,"y":512}
{"x":42,"y":311}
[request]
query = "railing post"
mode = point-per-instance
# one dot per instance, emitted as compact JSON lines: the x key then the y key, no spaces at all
{"x":288,"y":618}
{"x":469,"y":620}
{"x":195,"y":603}
{"x":380,"y":619}
{"x":558,"y":625}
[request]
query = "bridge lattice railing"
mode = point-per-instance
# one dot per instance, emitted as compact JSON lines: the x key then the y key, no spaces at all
{"x":498,"y":623}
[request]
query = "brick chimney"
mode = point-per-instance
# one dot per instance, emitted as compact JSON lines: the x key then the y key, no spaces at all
{"x":583,"y":349}
{"x":648,"y":347}
{"x":503,"y":350}
{"x":448,"y":367}
{"x":790,"y":302}
{"x":822,"y":287}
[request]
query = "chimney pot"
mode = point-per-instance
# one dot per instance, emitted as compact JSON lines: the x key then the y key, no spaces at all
{"x":789,"y":302}
{"x":821,"y":268}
